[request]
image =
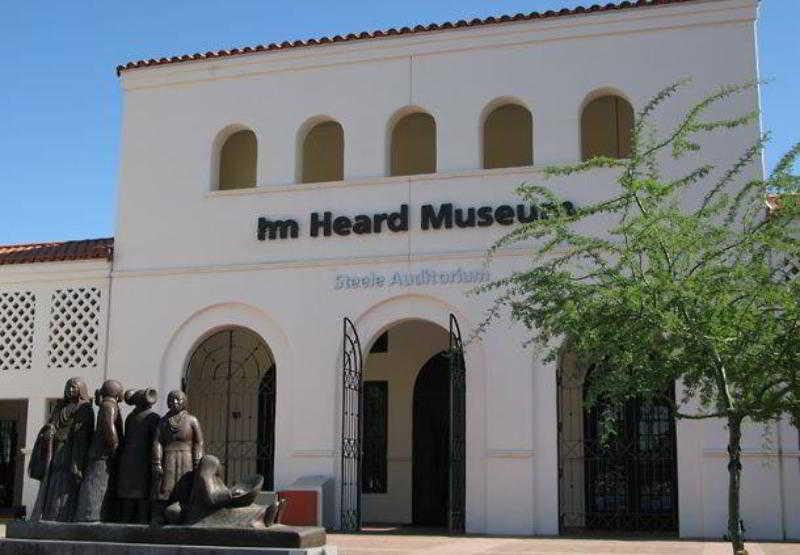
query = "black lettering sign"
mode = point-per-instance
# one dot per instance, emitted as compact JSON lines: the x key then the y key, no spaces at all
{"x":432,"y":217}
{"x":398,"y":221}
{"x":342,"y":225}
{"x":504,"y":215}
{"x":317,"y":223}
{"x":273,"y":229}
{"x":469,"y":221}
{"x":485,"y":218}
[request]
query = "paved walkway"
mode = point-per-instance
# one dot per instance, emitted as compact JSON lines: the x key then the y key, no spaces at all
{"x":401,"y":544}
{"x":407,"y":543}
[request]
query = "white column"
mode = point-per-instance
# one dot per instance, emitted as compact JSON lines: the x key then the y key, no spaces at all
{"x":510,"y":433}
{"x":37,"y":407}
{"x":545,"y":445}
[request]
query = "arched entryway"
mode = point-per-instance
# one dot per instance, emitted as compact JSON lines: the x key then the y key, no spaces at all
{"x":617,"y":463}
{"x":409,"y":472}
{"x":230,"y":382}
{"x":430,"y":443}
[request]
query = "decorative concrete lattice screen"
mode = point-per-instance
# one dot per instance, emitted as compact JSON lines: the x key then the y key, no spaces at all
{"x":16,"y":329}
{"x":74,"y":328}
{"x":791,"y":269}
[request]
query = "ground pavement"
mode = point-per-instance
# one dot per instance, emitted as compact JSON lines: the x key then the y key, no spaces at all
{"x":413,"y":544}
{"x":406,"y":543}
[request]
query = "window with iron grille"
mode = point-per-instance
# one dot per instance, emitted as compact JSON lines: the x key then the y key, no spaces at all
{"x":375,"y":441}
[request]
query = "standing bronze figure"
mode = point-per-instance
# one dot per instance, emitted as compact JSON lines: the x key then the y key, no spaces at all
{"x":177,"y":449}
{"x":58,"y":460}
{"x":133,"y":481}
{"x":95,"y":501}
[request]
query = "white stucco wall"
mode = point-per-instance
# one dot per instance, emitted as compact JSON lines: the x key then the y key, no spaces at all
{"x":42,"y":380}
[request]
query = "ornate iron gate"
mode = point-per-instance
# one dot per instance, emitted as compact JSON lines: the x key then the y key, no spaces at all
{"x":230,"y":382}
{"x":631,"y":468}
{"x":458,"y":470}
{"x":617,"y":464}
{"x":352,"y":427}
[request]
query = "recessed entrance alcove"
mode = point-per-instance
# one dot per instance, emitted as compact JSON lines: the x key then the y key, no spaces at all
{"x":13,"y":416}
{"x":406,"y":426}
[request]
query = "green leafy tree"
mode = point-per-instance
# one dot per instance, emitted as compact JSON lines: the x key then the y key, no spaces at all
{"x":667,"y":292}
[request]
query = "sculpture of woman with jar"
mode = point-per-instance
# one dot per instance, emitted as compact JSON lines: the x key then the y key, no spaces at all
{"x":177,"y":449}
{"x":96,"y":498}
{"x":133,"y":483}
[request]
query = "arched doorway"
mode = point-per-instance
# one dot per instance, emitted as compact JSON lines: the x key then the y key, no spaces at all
{"x":413,"y":467}
{"x":230,"y":382}
{"x":431,"y":441}
{"x":617,"y":463}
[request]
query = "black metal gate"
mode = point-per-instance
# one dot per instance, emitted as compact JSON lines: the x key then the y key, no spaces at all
{"x":352,"y":427}
{"x":458,"y":469}
{"x":631,"y":468}
{"x":8,"y":457}
{"x":617,"y":464}
{"x":230,"y":382}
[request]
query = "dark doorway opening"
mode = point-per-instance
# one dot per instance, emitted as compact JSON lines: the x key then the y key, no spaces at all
{"x":431,"y":443}
{"x":8,"y":462}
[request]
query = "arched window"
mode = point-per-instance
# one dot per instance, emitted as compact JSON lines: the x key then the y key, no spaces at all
{"x":237,"y":161}
{"x":413,"y":145}
{"x":508,"y":137}
{"x":323,"y":153}
{"x":606,"y":126}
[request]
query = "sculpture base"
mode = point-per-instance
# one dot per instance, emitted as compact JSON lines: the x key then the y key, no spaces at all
{"x":290,"y":539}
{"x":55,"y":547}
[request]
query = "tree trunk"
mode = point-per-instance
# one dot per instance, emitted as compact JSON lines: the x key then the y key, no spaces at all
{"x":734,"y":484}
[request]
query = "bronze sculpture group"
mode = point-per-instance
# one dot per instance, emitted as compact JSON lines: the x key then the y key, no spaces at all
{"x":151,"y":470}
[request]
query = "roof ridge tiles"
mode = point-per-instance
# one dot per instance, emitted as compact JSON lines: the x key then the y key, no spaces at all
{"x":392,"y":31}
{"x":57,"y":251}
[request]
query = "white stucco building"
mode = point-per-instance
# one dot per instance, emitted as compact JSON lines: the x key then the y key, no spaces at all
{"x":228,"y":278}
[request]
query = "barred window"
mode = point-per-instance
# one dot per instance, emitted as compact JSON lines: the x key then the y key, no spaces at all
{"x":375,"y":436}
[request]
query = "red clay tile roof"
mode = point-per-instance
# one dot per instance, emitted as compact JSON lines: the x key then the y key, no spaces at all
{"x":88,"y":249}
{"x":580,"y":10}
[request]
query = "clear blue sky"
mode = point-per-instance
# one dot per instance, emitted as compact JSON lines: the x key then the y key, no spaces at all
{"x":60,"y":98}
